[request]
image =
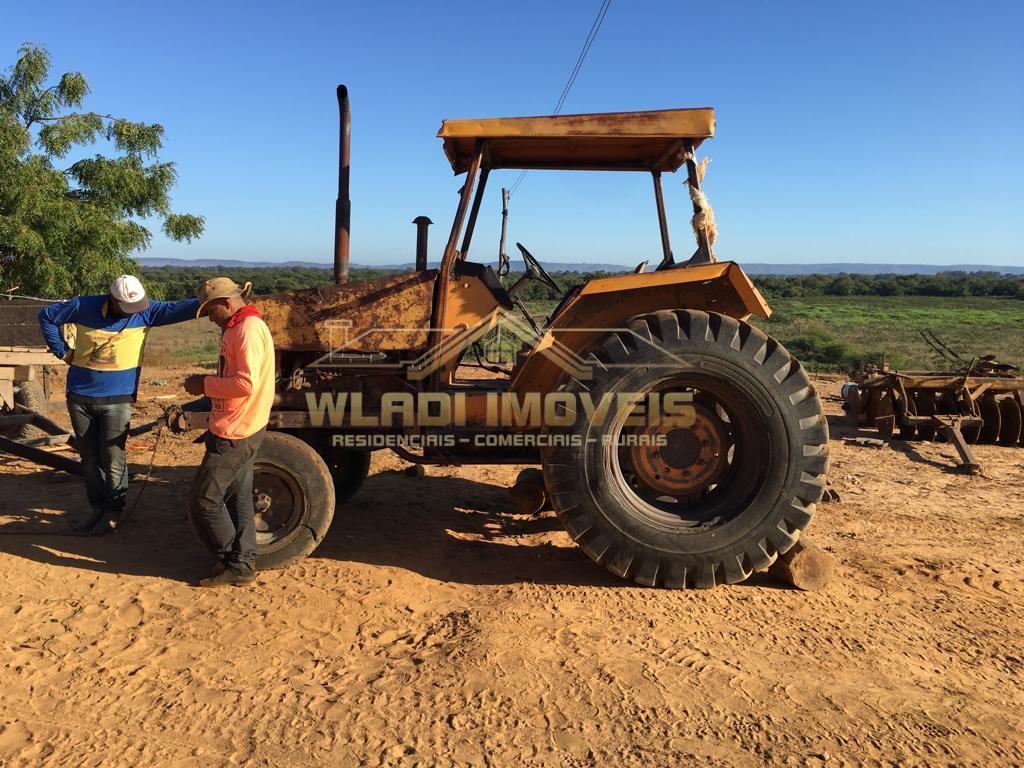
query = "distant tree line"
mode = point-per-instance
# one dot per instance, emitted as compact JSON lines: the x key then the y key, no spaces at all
{"x":181,"y":282}
{"x":173,"y":283}
{"x":940,"y":284}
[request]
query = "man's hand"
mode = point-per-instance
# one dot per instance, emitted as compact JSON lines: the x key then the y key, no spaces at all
{"x":195,"y":384}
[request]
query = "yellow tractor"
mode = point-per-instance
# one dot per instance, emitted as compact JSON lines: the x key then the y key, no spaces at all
{"x":680,"y":445}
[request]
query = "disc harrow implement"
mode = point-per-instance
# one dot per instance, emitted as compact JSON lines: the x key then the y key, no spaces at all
{"x":983,"y":402}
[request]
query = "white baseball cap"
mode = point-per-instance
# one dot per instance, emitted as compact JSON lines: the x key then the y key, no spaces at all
{"x":129,"y":294}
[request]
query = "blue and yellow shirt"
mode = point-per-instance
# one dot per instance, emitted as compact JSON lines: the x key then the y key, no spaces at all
{"x":108,"y":347}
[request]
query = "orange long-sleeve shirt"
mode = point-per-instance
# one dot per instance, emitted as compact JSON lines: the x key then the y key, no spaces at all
{"x":243,"y":390}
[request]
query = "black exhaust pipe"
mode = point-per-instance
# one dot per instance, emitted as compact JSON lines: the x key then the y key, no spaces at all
{"x":343,"y":206}
{"x":421,"y":222}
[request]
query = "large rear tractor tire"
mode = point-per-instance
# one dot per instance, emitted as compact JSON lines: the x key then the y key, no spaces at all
{"x":293,"y":493}
{"x":703,"y":500}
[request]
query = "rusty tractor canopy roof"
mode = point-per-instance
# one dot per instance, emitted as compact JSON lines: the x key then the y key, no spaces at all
{"x":610,"y":141}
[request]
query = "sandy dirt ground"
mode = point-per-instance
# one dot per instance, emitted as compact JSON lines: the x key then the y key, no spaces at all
{"x":434,"y":626}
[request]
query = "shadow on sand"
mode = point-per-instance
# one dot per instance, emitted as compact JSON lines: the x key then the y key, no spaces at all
{"x":447,"y":528}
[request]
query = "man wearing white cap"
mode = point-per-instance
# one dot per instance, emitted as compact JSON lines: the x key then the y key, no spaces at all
{"x":103,"y":379}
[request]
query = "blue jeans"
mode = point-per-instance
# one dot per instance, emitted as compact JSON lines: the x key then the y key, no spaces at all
{"x":101,"y":432}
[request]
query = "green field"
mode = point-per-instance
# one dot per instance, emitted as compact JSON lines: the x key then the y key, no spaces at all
{"x":833,"y":332}
{"x":828,"y":333}
{"x":195,"y":342}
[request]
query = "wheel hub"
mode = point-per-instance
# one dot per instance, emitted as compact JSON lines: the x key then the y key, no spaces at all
{"x":274,"y":502}
{"x":681,"y":461}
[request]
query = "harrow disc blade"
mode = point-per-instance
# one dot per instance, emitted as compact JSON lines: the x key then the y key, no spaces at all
{"x":971,"y":432}
{"x":1017,"y":397}
{"x":907,"y":431}
{"x":880,"y":413}
{"x":924,"y":401}
{"x":1011,"y":418}
{"x":989,"y":411}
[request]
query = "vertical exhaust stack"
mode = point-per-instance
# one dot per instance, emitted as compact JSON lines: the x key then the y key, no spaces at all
{"x":343,"y":206}
{"x":421,"y":222}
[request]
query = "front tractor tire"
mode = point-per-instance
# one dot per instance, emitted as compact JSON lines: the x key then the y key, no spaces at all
{"x":703,"y":501}
{"x":293,"y":494}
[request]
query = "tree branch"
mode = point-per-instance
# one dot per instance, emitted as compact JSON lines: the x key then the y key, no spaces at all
{"x":31,"y":118}
{"x":77,"y":114}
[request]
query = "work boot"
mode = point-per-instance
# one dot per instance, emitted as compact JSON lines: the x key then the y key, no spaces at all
{"x":86,"y":525}
{"x":107,"y":525}
{"x":230,"y":577}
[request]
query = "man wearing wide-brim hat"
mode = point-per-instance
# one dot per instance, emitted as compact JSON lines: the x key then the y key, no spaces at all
{"x":242,"y":394}
{"x":103,"y":380}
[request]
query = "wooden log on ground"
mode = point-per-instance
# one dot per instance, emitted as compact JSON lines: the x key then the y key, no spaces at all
{"x":528,"y":496}
{"x":806,"y":566}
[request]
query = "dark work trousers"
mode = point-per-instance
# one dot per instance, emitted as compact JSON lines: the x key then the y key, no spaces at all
{"x":221,"y":508}
{"x":101,"y":432}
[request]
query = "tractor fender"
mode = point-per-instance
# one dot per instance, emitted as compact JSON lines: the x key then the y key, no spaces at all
{"x":607,"y":303}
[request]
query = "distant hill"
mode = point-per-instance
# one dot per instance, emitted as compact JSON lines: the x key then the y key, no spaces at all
{"x":753,"y":268}
{"x":853,"y":268}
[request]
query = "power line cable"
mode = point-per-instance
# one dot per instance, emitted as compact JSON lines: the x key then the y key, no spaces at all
{"x":591,"y":36}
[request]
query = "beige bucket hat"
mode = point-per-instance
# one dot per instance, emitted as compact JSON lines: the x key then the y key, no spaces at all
{"x":219,"y":288}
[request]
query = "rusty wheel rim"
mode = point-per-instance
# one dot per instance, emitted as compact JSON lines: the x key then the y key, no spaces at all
{"x":277,"y":503}
{"x":672,"y":488}
{"x":686,"y":459}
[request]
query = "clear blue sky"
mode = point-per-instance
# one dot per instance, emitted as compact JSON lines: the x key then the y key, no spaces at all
{"x":868,"y":131}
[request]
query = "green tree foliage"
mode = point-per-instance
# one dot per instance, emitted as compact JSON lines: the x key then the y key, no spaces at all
{"x":182,"y":282}
{"x":70,"y":230}
{"x":940,"y":284}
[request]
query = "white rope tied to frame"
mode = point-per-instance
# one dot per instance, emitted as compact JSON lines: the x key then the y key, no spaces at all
{"x":704,"y":217}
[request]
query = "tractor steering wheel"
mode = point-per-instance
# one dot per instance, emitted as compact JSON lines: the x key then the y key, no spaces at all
{"x":531,"y":262}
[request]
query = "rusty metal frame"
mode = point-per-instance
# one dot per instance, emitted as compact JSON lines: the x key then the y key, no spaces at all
{"x":474,"y":212}
{"x":667,"y":260}
{"x":448,"y":259}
